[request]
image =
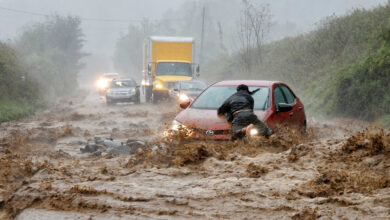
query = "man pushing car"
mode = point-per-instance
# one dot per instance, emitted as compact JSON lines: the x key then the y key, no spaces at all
{"x":238,"y":110}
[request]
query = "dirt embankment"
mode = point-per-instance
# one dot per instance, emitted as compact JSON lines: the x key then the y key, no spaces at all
{"x":333,"y":171}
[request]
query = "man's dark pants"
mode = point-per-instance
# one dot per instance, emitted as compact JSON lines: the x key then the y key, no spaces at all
{"x":243,"y":119}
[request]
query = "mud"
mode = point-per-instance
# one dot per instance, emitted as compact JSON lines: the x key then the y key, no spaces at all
{"x":340,"y":169}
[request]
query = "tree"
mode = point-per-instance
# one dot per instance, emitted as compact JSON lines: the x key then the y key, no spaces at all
{"x":254,"y":24}
{"x":51,"y":51}
{"x":128,"y":52}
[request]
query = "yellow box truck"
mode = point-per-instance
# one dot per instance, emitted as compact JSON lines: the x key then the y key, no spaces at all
{"x":166,"y":61}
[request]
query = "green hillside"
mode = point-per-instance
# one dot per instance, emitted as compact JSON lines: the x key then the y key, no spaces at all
{"x":340,"y":69}
{"x":18,"y":93}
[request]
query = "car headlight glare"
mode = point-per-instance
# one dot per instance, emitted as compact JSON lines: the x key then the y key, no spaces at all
{"x":102,"y":83}
{"x":253,"y":132}
{"x":184,"y":97}
{"x":175,"y":125}
{"x":159,"y":86}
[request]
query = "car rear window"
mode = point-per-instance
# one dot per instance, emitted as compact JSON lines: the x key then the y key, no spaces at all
{"x":214,"y":97}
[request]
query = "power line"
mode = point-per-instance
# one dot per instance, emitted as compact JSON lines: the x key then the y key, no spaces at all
{"x":81,"y":18}
{"x":21,"y":11}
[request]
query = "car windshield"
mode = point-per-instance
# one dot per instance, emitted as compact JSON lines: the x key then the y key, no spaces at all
{"x":122,"y":84}
{"x":173,"y":68}
{"x":193,"y":85}
{"x":214,"y":97}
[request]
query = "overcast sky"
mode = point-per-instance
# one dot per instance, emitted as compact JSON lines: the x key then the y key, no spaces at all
{"x":101,"y":36}
{"x":304,"y":13}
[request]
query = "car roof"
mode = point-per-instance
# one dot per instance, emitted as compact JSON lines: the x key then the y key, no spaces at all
{"x":246,"y":82}
{"x":110,"y":74}
{"x":123,"y":79}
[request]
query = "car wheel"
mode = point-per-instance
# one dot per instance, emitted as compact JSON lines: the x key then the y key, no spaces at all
{"x":303,"y":129}
{"x":137,"y":99}
{"x":155,"y":98}
{"x":109,"y":103}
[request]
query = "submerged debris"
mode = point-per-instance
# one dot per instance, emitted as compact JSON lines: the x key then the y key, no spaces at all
{"x":113,"y":147}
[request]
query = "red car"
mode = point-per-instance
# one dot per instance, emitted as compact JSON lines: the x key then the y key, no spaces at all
{"x":275,"y":104}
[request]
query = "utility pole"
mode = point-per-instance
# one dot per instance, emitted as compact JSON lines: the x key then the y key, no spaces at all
{"x":202,"y":37}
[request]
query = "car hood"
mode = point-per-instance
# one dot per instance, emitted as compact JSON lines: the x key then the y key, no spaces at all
{"x":191,"y":93}
{"x":206,"y":119}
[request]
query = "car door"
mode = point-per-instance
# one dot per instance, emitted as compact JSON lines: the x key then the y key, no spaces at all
{"x":294,"y":116}
{"x":298,"y":117}
{"x":279,"y":117}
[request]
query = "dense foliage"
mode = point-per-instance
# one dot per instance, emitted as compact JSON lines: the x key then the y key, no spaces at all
{"x":51,"y":51}
{"x":341,"y":69}
{"x":18,"y":92}
{"x":42,"y":66}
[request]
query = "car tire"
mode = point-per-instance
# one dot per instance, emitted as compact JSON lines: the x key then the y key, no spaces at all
{"x":155,"y":98}
{"x":304,"y":129}
{"x":109,"y":103}
{"x":137,"y":99}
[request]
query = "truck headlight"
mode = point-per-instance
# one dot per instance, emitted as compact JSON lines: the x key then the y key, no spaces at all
{"x":184,"y":97}
{"x":159,"y":86}
{"x":253,"y":132}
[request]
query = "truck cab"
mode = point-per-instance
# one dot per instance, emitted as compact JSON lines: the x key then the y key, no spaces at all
{"x":166,"y":61}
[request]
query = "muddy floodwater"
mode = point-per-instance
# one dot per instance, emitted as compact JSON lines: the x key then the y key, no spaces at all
{"x":339,"y":170}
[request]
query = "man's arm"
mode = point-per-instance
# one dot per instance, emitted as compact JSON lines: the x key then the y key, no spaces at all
{"x":224,"y":108}
{"x":251,"y":102}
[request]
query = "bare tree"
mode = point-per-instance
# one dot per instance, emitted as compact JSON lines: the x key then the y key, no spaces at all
{"x":254,"y":24}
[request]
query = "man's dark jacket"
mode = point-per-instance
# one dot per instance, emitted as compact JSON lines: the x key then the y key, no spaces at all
{"x":238,"y":101}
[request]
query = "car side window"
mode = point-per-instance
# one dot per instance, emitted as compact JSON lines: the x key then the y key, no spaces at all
{"x":289,"y":95}
{"x":278,"y":96}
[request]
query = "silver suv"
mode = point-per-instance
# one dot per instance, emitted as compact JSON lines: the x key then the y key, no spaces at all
{"x":123,"y":90}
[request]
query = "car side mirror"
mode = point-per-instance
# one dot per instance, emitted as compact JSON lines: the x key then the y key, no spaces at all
{"x":185,"y":105}
{"x":284,"y":107}
{"x":149,"y":68}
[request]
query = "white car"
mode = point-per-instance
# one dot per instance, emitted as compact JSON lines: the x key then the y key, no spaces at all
{"x":187,"y":90}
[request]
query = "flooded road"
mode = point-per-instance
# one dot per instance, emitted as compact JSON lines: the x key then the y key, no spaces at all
{"x":340,"y":170}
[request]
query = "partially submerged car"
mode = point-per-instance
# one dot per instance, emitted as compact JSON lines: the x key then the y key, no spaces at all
{"x":123,"y":90}
{"x":104,"y":81}
{"x":187,"y":90}
{"x":275,"y":104}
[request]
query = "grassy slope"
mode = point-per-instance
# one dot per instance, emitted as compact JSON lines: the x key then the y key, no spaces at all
{"x":340,"y":69}
{"x":19,"y":95}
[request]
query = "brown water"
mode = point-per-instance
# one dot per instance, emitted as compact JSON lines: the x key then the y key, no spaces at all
{"x":340,"y":170}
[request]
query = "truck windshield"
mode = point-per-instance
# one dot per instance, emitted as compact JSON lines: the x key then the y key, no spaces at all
{"x":173,"y":69}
